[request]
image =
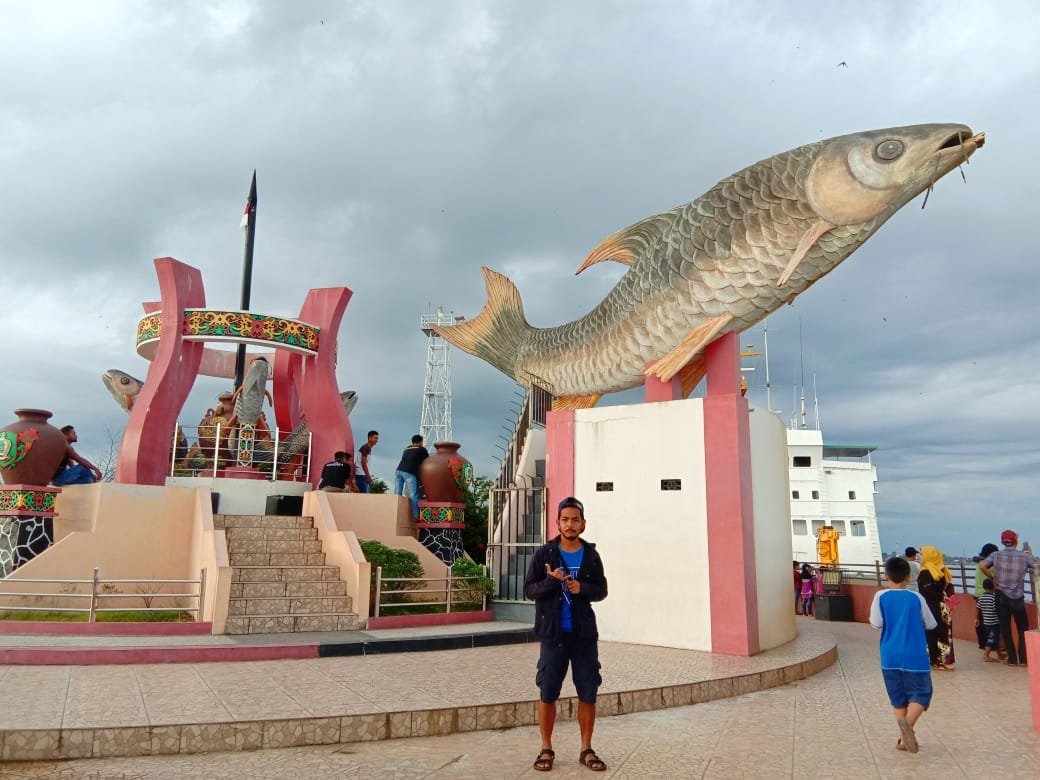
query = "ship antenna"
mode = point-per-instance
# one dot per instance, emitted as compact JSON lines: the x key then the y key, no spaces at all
{"x":801,"y":364}
{"x":769,"y":387}
{"x":816,"y":403}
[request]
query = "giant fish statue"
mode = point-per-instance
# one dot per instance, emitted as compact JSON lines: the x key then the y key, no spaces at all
{"x":720,"y":263}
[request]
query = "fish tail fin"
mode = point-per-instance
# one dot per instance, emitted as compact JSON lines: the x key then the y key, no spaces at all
{"x":497,"y":332}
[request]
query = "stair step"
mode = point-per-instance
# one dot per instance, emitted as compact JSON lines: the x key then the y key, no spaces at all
{"x":288,"y":589}
{"x":277,"y":559}
{"x":262,"y":521}
{"x":295,"y":546}
{"x":286,"y":624}
{"x":265,"y":573}
{"x":268,"y":534}
{"x":305,"y":605}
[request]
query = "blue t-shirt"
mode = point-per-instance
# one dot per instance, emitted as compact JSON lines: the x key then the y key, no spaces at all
{"x":902,"y":615}
{"x":572,"y":562}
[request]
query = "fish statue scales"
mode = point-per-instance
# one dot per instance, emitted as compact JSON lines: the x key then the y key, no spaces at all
{"x":721,"y":263}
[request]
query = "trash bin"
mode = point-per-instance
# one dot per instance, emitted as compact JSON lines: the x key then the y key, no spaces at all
{"x":284,"y":505}
{"x":214,"y":501}
{"x":833,"y":607}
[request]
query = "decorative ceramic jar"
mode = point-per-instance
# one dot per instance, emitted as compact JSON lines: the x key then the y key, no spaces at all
{"x":445,"y":473}
{"x":31,"y":449}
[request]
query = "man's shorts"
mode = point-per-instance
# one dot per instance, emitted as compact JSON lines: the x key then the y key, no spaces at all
{"x":583,"y":657}
{"x":905,"y":687}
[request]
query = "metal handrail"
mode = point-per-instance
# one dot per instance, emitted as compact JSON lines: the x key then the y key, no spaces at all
{"x":449,"y":580}
{"x":96,"y":594}
{"x":189,"y":458}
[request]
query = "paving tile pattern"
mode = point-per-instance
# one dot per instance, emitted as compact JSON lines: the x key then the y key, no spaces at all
{"x":280,"y":583}
{"x":836,"y":724}
{"x":187,"y":708}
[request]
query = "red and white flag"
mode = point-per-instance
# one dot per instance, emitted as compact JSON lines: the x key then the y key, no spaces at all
{"x":245,"y":216}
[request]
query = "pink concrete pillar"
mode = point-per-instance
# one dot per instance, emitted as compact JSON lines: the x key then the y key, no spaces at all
{"x":731,"y":531}
{"x":657,"y":390}
{"x":559,"y":465}
{"x":1033,"y":670}
{"x":318,"y":389}
{"x":144,"y":453}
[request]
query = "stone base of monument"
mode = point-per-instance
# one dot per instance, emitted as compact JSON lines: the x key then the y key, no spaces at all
{"x":440,"y":527}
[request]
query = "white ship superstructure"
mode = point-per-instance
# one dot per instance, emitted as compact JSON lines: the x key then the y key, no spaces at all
{"x":832,"y":485}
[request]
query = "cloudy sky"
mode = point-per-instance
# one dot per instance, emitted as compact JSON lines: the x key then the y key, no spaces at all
{"x":401,"y":145}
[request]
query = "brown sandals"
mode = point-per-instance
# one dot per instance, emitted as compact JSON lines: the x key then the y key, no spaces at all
{"x":589,"y":759}
{"x":545,"y":759}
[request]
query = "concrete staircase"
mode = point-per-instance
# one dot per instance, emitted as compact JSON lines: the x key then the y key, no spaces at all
{"x":279,"y":582}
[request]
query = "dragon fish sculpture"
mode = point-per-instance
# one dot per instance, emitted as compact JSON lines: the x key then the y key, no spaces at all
{"x":720,"y":263}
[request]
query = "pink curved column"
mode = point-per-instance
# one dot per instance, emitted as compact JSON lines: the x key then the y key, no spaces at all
{"x":144,"y":453}
{"x":314,"y":378}
{"x":731,"y":521}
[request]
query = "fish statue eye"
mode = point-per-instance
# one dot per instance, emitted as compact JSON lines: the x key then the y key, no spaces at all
{"x":889,"y":150}
{"x":123,"y":380}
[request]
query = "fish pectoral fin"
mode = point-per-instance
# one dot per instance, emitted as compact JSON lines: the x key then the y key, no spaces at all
{"x":809,"y":238}
{"x":575,"y":401}
{"x":692,"y":344}
{"x":692,"y":373}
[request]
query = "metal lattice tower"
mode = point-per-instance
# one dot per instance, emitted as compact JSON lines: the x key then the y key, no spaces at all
{"x":435,"y":422}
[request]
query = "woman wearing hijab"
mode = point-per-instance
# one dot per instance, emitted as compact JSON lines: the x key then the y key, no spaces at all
{"x":935,"y":583}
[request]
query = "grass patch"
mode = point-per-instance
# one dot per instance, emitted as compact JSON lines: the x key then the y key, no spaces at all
{"x":164,"y":616}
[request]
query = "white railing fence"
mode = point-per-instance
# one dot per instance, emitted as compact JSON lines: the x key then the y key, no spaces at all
{"x":454,"y":590}
{"x":98,"y":592}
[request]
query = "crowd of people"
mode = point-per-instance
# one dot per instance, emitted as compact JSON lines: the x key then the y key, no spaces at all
{"x":917,"y":627}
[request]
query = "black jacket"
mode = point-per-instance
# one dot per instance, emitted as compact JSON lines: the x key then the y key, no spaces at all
{"x":547,"y":592}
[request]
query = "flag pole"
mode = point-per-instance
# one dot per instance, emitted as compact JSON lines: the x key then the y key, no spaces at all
{"x":249,"y":223}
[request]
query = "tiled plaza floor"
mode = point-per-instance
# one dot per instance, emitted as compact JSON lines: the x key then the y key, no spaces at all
{"x":836,"y":724}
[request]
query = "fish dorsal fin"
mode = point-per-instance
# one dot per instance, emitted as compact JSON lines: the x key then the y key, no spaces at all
{"x":575,"y":401}
{"x":809,"y":238}
{"x":626,"y":245}
{"x":684,"y":353}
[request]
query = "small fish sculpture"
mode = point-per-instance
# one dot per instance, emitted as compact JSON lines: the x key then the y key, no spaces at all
{"x":720,"y":263}
{"x":123,"y":387}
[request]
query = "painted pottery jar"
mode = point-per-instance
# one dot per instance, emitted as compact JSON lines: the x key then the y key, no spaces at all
{"x":444,"y":474}
{"x":31,"y":449}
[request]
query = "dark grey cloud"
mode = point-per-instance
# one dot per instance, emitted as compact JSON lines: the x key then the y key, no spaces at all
{"x":400,"y":146}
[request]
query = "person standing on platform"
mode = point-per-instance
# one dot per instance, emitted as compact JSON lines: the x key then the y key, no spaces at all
{"x":935,"y":583}
{"x":797,"y":589}
{"x":1007,"y":568}
{"x":987,"y":606}
{"x":362,"y":475}
{"x":903,"y":617}
{"x":980,"y":577}
{"x":911,"y":554}
{"x":564,"y":578}
{"x":808,"y":591}
{"x":407,"y":473}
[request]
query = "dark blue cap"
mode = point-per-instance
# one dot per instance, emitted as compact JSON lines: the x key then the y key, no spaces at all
{"x":571,"y":501}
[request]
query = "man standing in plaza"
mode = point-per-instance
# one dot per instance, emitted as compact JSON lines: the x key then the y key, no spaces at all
{"x":1007,"y":568}
{"x":564,"y":578}
{"x":363,"y":477}
{"x":408,"y":472}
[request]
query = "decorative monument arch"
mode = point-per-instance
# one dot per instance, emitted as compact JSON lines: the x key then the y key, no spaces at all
{"x":172,"y":335}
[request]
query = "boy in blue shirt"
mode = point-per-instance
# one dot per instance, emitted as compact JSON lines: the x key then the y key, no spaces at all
{"x":903,"y":615}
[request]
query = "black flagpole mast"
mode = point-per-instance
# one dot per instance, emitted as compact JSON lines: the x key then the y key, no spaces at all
{"x":249,"y":223}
